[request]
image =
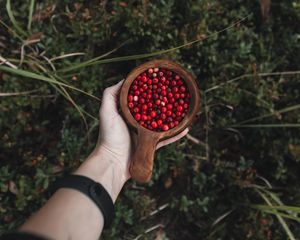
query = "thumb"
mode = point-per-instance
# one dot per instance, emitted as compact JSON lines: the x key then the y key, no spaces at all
{"x":109,"y":100}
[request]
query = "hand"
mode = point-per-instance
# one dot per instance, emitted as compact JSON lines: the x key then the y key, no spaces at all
{"x":109,"y":162}
{"x":114,"y":136}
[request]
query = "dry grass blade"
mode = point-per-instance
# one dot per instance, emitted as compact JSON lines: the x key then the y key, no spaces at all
{"x":284,"y":125}
{"x":64,"y":92}
{"x":31,"y":8}
{"x":223,"y":216}
{"x":12,"y":94}
{"x":196,"y":140}
{"x":147,"y":55}
{"x":40,"y":77}
{"x":66,"y":56}
{"x":12,"y":18}
{"x":280,"y":219}
{"x":284,"y":110}
{"x":245,"y":76}
{"x":4,"y":61}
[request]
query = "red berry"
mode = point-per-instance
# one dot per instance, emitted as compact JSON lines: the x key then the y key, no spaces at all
{"x":142,"y":101}
{"x":179,"y":108}
{"x":144,"y":107}
{"x":169,"y":113}
{"x":130,"y":105}
{"x":169,"y":119}
{"x":182,"y":89}
{"x":130,"y":98}
{"x":165,"y":127}
{"x":137,"y":116}
{"x":144,"y":117}
{"x":158,"y":99}
{"x":153,"y":114}
{"x":154,"y":125}
{"x":169,"y":106}
{"x":144,"y":79}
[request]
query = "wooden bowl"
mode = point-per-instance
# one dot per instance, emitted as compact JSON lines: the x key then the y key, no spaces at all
{"x":142,"y":160}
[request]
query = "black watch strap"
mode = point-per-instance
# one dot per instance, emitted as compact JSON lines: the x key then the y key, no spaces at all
{"x":94,"y":190}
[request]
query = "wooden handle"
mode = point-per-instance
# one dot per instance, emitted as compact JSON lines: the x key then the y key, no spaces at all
{"x":142,"y":161}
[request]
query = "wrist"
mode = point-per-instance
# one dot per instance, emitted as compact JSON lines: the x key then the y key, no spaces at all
{"x":102,"y":168}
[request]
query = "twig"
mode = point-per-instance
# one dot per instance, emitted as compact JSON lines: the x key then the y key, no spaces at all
{"x":156,"y":211}
{"x":196,"y":140}
{"x":196,"y":157}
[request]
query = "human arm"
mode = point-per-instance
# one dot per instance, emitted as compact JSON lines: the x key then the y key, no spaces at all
{"x":69,"y":214}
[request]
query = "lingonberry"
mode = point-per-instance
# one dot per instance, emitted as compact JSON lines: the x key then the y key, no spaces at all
{"x":165,"y":127}
{"x":154,"y":124}
{"x":158,"y":99}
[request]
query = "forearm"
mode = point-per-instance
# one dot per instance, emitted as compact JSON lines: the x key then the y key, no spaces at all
{"x":70,"y":214}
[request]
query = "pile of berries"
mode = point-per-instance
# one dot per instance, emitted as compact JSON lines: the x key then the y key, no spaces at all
{"x":158,"y":99}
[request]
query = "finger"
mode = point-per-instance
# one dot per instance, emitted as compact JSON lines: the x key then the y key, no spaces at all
{"x":173,"y":139}
{"x":109,"y":100}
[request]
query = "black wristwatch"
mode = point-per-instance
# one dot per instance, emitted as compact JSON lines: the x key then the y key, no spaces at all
{"x":94,"y":190}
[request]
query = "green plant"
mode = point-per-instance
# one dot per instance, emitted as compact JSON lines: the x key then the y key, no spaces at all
{"x":202,"y":187}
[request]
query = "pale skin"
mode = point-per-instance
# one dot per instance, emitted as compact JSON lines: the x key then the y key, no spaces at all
{"x":69,"y":214}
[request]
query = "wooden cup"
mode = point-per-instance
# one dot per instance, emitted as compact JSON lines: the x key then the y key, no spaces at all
{"x":142,"y":160}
